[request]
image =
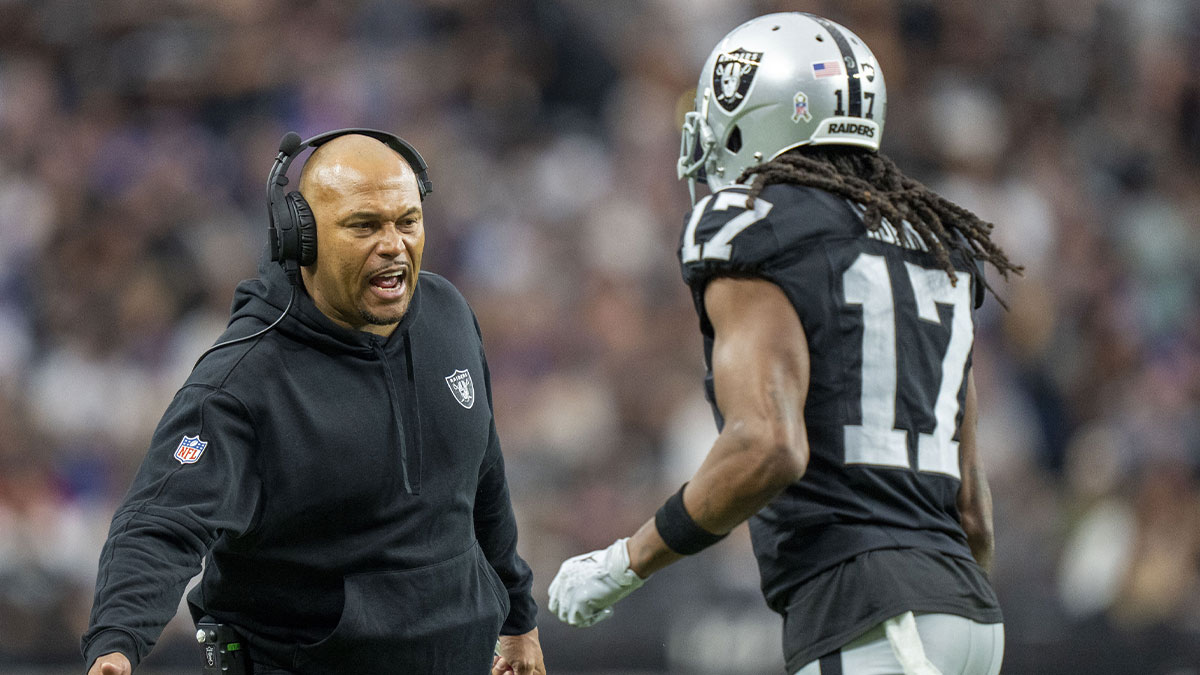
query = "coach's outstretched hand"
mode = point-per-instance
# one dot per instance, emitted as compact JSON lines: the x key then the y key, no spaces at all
{"x":114,"y":663}
{"x":587,"y":586}
{"x":519,"y":655}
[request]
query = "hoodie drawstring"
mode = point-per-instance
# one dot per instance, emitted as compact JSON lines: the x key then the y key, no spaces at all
{"x":397,"y":418}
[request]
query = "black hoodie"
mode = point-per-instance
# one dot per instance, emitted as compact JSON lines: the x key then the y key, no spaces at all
{"x":346,"y":492}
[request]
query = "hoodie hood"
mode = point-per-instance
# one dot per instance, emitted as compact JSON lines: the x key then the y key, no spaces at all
{"x":259,"y":302}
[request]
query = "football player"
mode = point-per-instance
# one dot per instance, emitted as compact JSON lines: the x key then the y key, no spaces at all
{"x":836,"y":298}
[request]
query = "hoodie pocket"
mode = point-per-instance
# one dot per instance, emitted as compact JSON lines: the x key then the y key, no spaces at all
{"x":442,"y":618}
{"x":496,"y":584}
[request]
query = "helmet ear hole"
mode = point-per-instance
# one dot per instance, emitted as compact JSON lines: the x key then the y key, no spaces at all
{"x":734,"y":142}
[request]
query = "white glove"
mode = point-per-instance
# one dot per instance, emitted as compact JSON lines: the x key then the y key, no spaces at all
{"x":587,"y":586}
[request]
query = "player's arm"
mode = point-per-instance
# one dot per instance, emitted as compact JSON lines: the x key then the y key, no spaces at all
{"x":760,"y":372}
{"x":974,"y":496}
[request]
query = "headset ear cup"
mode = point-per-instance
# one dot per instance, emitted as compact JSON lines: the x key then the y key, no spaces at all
{"x":306,"y":228}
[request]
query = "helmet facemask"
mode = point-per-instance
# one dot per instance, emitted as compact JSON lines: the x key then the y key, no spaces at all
{"x":696,"y":145}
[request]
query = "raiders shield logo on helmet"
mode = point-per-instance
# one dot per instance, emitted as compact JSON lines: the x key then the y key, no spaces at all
{"x":462,"y":387}
{"x":733,"y":75}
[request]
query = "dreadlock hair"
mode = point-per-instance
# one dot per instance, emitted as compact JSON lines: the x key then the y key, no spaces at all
{"x":874,"y":181}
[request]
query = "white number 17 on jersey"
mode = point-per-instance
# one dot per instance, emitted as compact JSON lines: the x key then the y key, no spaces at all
{"x":876,"y":440}
{"x":719,"y":246}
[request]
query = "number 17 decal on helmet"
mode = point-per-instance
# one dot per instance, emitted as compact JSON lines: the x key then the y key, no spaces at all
{"x":776,"y":83}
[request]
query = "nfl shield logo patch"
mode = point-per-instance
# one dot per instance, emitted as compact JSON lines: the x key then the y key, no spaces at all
{"x":462,"y":387}
{"x":190,"y":449}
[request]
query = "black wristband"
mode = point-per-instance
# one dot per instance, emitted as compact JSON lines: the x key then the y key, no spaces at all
{"x":681,"y":534}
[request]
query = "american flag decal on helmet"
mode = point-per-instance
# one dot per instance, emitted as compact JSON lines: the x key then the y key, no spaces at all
{"x":827,"y":69}
{"x":190,"y":449}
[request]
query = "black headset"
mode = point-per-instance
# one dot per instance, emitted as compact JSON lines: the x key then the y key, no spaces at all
{"x":293,"y":230}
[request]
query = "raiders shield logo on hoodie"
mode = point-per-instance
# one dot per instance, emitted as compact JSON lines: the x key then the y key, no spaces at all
{"x":462,"y":387}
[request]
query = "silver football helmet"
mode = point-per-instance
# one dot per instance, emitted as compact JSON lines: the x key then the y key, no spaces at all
{"x":775,"y":83}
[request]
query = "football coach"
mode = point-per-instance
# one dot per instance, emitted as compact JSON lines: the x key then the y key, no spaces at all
{"x":333,"y":459}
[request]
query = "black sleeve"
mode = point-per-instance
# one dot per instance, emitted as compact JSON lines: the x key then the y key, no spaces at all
{"x":722,"y":237}
{"x":183,"y":498}
{"x":496,"y":530}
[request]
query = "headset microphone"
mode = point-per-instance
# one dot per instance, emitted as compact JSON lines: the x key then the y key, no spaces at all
{"x":290,"y":144}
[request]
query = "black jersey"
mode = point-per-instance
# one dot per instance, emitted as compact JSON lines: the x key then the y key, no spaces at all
{"x":889,"y":339}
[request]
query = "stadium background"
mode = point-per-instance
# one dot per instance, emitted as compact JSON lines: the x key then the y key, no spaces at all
{"x":136,"y":137}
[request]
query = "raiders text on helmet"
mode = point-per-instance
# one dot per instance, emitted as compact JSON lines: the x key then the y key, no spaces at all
{"x":775,"y":83}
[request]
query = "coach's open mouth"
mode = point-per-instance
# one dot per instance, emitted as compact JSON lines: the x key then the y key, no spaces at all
{"x":391,"y":283}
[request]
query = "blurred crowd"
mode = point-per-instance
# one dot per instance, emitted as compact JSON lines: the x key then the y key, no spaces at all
{"x":135,"y":139}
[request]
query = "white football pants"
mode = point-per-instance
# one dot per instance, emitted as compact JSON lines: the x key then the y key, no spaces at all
{"x":927,"y":644}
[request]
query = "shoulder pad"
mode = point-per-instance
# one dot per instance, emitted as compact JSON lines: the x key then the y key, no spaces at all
{"x":722,"y":235}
